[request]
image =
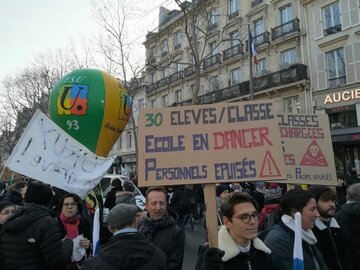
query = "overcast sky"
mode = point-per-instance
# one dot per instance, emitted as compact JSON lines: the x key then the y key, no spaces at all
{"x":30,"y":27}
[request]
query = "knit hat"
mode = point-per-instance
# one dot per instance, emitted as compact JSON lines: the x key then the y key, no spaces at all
{"x":116,"y":183}
{"x":260,"y":187}
{"x":220,"y":189}
{"x":121,"y":214}
{"x":273,"y":192}
{"x":125,"y":197}
{"x":4,"y":204}
{"x":38,"y":193}
{"x":318,"y":191}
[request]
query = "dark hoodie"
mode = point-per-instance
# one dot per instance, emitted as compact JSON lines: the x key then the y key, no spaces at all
{"x":349,"y":221}
{"x":31,"y":239}
{"x":128,"y":251}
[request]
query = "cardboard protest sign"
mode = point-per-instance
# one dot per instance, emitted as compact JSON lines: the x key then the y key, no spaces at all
{"x":308,"y":153}
{"x":46,"y":153}
{"x":215,"y":143}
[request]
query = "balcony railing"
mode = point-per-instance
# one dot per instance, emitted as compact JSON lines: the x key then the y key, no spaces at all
{"x":285,"y":28}
{"x":262,"y":39}
{"x":162,"y":82}
{"x":332,"y":30}
{"x":293,"y":74}
{"x":150,"y":87}
{"x":233,"y":51}
{"x":212,"y":26}
{"x":176,"y":76}
{"x":177,"y":46}
{"x":337,"y":82}
{"x":233,"y":15}
{"x":212,"y":60}
{"x":254,"y":3}
{"x":189,"y":70}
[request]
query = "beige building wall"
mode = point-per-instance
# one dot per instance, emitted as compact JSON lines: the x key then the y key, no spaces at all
{"x":274,"y":42}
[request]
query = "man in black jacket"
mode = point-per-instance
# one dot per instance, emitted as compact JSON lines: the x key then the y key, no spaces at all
{"x":329,"y":234}
{"x":127,"y":249}
{"x":31,"y":238}
{"x":161,"y":229}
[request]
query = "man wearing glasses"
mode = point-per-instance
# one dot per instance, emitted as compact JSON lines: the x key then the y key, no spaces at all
{"x":239,"y":247}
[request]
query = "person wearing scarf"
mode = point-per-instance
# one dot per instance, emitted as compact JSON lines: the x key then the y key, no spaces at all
{"x":280,"y":239}
{"x":70,"y":208}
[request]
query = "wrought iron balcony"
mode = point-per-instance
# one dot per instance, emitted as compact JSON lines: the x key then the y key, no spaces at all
{"x":282,"y":77}
{"x":150,"y":87}
{"x":254,"y":3}
{"x":337,"y":82}
{"x":262,"y":39}
{"x":162,"y":82}
{"x":189,"y":70}
{"x":285,"y":28}
{"x":233,"y":51}
{"x":176,"y":76}
{"x":233,"y":15}
{"x":332,"y":30}
{"x":212,"y":60}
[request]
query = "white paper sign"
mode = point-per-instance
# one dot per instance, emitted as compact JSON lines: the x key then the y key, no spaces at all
{"x":47,"y":153}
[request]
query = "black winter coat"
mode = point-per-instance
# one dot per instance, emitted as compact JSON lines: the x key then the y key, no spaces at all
{"x":31,"y":240}
{"x":128,"y":251}
{"x":349,"y":220}
{"x":332,"y":245}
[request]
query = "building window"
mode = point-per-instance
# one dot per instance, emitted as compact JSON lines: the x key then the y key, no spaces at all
{"x":212,"y":18}
{"x":177,"y":40}
{"x":235,"y":76}
{"x":178,"y":66}
{"x":212,"y":48}
{"x":234,"y":38}
{"x":289,"y":56}
{"x":164,"y":47}
{"x":120,"y":143}
{"x":152,"y":103}
{"x":260,"y":68}
{"x":233,"y":8}
{"x":214,"y":83}
{"x":140,"y":104}
{"x":291,"y":105}
{"x":165,"y":72}
{"x":128,"y":139}
{"x":286,"y":14}
{"x":331,"y":19}
{"x":336,"y":68}
{"x":152,"y":54}
{"x":178,"y":96}
{"x":165,"y":100}
{"x":259,"y":26}
{"x":343,"y":119}
{"x":152,"y":77}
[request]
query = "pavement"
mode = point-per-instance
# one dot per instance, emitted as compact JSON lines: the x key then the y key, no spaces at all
{"x":192,"y":242}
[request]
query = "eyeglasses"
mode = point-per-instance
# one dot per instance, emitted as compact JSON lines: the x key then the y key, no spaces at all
{"x":70,"y":204}
{"x":246,"y":217}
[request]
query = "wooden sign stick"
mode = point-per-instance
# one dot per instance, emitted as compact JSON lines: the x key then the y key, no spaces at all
{"x":211,"y":214}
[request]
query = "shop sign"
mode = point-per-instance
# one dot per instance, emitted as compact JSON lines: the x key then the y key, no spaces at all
{"x":342,"y":96}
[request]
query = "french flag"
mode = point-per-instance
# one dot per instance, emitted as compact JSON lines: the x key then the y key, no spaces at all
{"x":96,"y":232}
{"x":298,"y":250}
{"x":252,"y":49}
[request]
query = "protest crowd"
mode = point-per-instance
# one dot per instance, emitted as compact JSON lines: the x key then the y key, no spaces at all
{"x":43,"y":227}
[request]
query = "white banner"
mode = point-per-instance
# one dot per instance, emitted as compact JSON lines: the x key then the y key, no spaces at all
{"x":47,"y":153}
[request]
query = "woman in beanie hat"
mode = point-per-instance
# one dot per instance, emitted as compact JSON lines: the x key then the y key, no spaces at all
{"x":70,"y":208}
{"x":222,"y":193}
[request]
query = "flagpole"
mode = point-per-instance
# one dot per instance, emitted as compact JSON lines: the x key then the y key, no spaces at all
{"x":250,"y":65}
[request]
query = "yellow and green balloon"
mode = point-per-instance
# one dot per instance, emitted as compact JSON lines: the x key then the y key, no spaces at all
{"x":92,"y":107}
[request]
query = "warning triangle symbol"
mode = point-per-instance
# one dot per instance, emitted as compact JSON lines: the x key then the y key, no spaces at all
{"x":269,"y":167}
{"x":314,"y":156}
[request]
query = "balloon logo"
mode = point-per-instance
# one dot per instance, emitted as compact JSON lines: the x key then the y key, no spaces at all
{"x":92,"y":107}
